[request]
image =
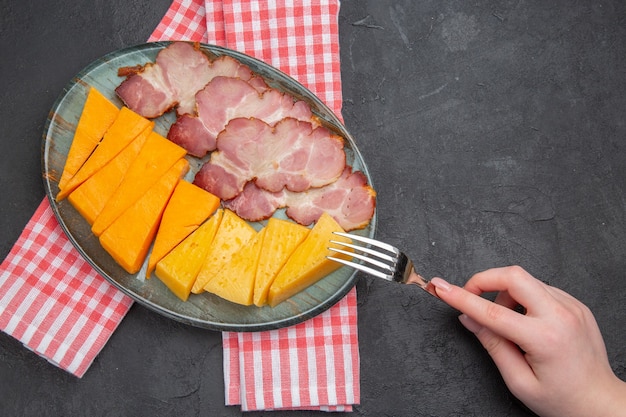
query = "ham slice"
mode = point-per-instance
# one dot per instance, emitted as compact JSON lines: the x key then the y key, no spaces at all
{"x":179,"y":72}
{"x":226,"y":98}
{"x":269,"y":150}
{"x":349,"y":200}
{"x":292,"y":154}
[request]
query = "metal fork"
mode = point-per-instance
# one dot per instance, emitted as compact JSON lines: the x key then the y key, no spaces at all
{"x":392,"y":264}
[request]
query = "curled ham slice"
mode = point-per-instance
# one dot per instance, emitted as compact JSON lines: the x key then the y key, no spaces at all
{"x":349,"y":200}
{"x":179,"y":72}
{"x":291,"y":154}
{"x":226,"y":98}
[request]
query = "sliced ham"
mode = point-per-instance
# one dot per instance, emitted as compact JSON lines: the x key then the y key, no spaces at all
{"x":292,"y":154}
{"x":179,"y":72}
{"x":226,"y":98}
{"x":255,"y":204}
{"x":268,"y":150}
{"x":349,"y":200}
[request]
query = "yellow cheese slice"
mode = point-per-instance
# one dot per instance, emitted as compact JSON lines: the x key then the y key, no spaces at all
{"x":235,"y":281}
{"x":233,"y":234}
{"x":92,"y":195}
{"x":308,"y":263}
{"x":97,"y":116}
{"x":156,"y":156}
{"x":129,"y":237}
{"x":188,"y":208}
{"x":126,"y":127}
{"x":179,"y":268}
{"x":281,"y":239}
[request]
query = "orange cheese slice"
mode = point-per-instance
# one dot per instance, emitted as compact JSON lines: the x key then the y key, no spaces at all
{"x":188,"y":208}
{"x":126,"y":127}
{"x":129,"y":237}
{"x":92,"y":195}
{"x":179,"y":268}
{"x":233,"y":234}
{"x":235,"y":280}
{"x":308,"y":263}
{"x":155,"y":157}
{"x":281,"y":239}
{"x":97,"y":116}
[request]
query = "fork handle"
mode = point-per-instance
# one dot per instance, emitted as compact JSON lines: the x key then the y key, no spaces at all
{"x":412,"y":277}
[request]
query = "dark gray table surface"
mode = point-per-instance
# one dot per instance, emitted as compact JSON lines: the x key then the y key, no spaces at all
{"x":494,"y":132}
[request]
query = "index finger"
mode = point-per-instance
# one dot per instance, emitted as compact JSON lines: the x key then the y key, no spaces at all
{"x":499,"y":319}
{"x":522,"y":287}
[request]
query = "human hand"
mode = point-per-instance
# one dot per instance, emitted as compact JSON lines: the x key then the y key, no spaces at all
{"x":553,"y":357}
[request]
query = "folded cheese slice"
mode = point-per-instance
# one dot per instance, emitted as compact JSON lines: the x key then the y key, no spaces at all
{"x":129,"y":237}
{"x":179,"y":268}
{"x":156,"y":157}
{"x":235,"y":280}
{"x":126,"y":127}
{"x":92,"y":195}
{"x":281,"y":239}
{"x":97,"y":116}
{"x":308,"y":263}
{"x":188,"y":208}
{"x":233,"y":234}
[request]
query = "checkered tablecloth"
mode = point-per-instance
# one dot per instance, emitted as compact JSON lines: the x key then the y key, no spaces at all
{"x":56,"y":305}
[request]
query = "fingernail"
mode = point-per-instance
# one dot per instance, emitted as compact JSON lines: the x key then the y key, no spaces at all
{"x":440,"y":284}
{"x":469,"y":323}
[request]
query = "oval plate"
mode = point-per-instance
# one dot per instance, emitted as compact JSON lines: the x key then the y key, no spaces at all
{"x":202,"y":310}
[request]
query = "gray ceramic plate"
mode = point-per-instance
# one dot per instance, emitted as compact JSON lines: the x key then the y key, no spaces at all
{"x":203,"y":310}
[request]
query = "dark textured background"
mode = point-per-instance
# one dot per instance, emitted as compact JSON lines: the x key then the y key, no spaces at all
{"x":494,"y":133}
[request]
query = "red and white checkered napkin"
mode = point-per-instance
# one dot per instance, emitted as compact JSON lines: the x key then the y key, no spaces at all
{"x":315,"y":364}
{"x":52,"y":301}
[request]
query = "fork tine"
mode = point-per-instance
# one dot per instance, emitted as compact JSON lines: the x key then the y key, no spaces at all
{"x":365,"y":250}
{"x":380,"y":273}
{"x":363,"y":268}
{"x":401,"y":267}
{"x":379,"y":264}
{"x":372,"y":242}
